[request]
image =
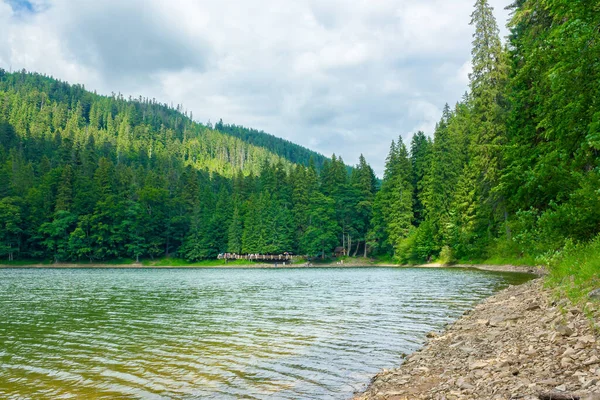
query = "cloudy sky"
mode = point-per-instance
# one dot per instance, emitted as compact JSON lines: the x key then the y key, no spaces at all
{"x":343,"y":76}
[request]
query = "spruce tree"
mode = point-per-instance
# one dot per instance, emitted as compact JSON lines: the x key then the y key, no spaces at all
{"x":487,"y":82}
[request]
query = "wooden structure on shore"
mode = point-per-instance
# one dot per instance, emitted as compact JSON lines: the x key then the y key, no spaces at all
{"x":256,"y":257}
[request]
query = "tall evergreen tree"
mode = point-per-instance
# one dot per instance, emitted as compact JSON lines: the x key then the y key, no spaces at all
{"x":488,"y":82}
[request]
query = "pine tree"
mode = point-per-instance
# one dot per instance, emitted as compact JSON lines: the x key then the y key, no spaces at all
{"x":361,"y":197}
{"x":235,"y":232}
{"x":420,"y":157}
{"x":443,"y":172}
{"x":321,"y":234}
{"x":10,"y":228}
{"x":393,"y":208}
{"x":487,"y":82}
{"x":64,"y":198}
{"x":400,"y":211}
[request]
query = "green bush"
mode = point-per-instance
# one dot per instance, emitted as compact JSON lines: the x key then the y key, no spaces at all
{"x":447,"y":255}
{"x":419,"y":247}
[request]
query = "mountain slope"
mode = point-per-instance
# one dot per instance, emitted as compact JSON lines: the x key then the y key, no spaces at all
{"x":41,"y":108}
{"x":283,"y":148}
{"x":90,"y":177}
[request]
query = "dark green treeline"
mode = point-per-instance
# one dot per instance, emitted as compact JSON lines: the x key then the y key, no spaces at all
{"x":513,"y":168}
{"x":88,"y":177}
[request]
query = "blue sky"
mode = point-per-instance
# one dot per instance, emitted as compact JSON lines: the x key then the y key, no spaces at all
{"x":333,"y":75}
{"x":21,"y":6}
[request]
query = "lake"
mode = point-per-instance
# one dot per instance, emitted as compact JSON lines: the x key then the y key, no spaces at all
{"x":310,"y":333}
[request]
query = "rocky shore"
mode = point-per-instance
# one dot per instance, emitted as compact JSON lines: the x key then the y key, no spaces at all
{"x":522,"y":343}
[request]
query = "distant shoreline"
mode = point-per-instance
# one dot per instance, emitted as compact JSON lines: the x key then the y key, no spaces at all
{"x":483,"y":267}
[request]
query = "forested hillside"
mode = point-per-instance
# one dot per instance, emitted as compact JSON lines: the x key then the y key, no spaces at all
{"x":283,"y":148}
{"x":89,"y":177}
{"x":512,"y":170}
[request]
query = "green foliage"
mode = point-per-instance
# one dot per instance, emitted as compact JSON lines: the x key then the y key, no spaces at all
{"x":93,"y":178}
{"x":446,"y":256}
{"x":10,"y":227}
{"x":419,"y":247}
{"x":321,"y":233}
{"x":575,"y":269}
{"x":283,"y":148}
{"x":512,"y":174}
{"x":393,"y":209}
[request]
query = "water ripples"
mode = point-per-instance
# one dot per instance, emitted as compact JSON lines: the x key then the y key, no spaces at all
{"x":219,"y":334}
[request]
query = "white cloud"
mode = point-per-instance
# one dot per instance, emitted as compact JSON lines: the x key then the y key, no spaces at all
{"x":334,"y":75}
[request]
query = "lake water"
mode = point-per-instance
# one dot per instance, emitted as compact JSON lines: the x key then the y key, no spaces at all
{"x":304,"y":333}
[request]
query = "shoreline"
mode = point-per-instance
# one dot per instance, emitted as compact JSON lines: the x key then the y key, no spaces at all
{"x":540,"y":271}
{"x":521,"y":343}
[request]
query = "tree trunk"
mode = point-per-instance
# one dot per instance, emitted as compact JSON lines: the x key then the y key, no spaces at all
{"x":356,"y":250}
{"x":365,"y":249}
{"x":508,"y":233}
{"x":349,"y":245}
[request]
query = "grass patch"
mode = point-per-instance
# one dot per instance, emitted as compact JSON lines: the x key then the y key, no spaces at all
{"x":119,"y":261}
{"x":519,"y":261}
{"x":17,"y":263}
{"x":387,"y":259}
{"x":503,"y":252}
{"x":575,"y":270}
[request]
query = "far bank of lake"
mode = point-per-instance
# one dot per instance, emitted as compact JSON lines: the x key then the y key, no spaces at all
{"x":351,"y":264}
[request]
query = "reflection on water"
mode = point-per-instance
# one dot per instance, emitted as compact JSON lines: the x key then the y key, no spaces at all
{"x":209,"y":333}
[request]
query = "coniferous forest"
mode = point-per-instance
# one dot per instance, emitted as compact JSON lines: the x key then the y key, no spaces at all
{"x":512,"y":170}
{"x":89,"y":177}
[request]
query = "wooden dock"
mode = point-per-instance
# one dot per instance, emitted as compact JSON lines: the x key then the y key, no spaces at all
{"x":256,"y":257}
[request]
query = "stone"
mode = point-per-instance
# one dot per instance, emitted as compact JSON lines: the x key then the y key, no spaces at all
{"x":591,"y":361}
{"x":569,"y":352}
{"x":549,"y":382}
{"x":587,"y":339}
{"x":463,"y":384}
{"x":478,"y":365}
{"x":497,"y":320}
{"x":565,"y":362}
{"x":595,"y":294}
{"x":589,"y":383}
